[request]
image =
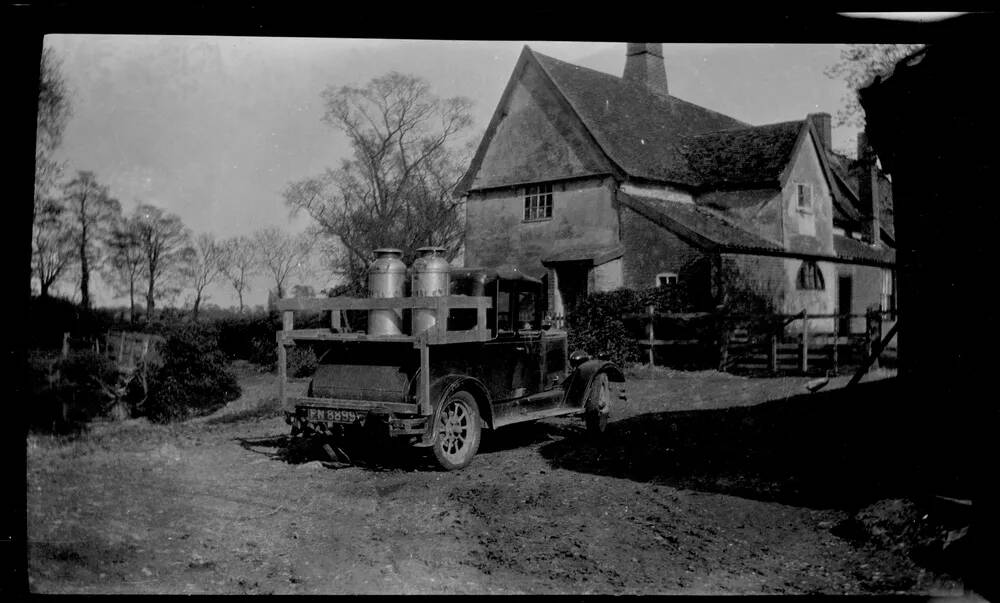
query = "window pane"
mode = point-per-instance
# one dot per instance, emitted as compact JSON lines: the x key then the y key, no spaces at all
{"x":525,"y":308}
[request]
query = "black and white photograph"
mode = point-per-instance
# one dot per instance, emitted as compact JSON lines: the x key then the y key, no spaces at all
{"x":396,"y":312}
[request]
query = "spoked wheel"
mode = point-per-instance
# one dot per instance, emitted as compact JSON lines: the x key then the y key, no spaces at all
{"x":598,"y":405}
{"x":458,"y":430}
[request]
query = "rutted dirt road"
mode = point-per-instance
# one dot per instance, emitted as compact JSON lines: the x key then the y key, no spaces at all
{"x":231,"y":505}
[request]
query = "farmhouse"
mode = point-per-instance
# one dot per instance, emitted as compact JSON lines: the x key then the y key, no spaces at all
{"x":594,"y":182}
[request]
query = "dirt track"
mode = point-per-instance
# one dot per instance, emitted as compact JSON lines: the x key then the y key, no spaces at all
{"x":231,"y":505}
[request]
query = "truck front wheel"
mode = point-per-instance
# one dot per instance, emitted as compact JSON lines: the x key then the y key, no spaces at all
{"x":458,"y":431}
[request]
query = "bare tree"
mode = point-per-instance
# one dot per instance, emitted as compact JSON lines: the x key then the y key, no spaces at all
{"x":239,"y":264}
{"x":126,"y":259}
{"x":397,"y":188}
{"x":52,"y":247}
{"x":54,"y":111}
{"x":92,"y":211}
{"x":858,"y":65}
{"x":164,"y":241}
{"x":281,"y":255}
{"x":203,"y":267}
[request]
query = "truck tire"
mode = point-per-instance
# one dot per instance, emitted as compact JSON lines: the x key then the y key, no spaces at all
{"x":458,"y":431}
{"x":598,"y":405}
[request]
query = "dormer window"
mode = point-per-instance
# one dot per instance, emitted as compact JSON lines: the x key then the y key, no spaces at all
{"x":537,"y":202}
{"x":803,"y":196}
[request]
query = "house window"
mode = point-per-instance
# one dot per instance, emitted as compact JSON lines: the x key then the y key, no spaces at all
{"x":810,"y":277}
{"x":803,"y":196}
{"x":666,"y":278}
{"x":538,"y":202}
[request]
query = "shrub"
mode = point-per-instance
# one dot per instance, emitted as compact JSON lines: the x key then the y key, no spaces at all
{"x":194,"y":377}
{"x":599,"y":325}
{"x":250,"y":338}
{"x":50,"y":317}
{"x":67,"y":392}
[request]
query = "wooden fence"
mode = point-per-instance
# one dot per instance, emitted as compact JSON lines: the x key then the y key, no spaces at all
{"x":750,"y":343}
{"x":125,"y":349}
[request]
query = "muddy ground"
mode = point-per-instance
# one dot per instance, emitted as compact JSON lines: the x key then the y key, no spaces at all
{"x":705,"y":483}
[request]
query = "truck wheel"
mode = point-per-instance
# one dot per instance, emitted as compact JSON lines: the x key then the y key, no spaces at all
{"x":458,"y":431}
{"x":598,"y":405}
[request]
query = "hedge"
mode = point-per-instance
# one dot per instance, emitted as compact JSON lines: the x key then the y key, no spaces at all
{"x":597,"y":323}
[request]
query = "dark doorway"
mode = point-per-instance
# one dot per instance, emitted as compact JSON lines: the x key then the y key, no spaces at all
{"x":572,"y":279}
{"x":845,"y":291}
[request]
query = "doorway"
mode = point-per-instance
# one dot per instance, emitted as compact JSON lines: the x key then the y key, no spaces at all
{"x":572,"y":278}
{"x":845,"y":292}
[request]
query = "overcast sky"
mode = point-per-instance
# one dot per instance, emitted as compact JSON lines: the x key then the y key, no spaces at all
{"x":213,"y":128}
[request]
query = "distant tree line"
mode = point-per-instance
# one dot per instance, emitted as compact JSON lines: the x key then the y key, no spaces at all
{"x":80,"y":230}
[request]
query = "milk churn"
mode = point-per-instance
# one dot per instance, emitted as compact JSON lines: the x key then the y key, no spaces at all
{"x":386,"y":278}
{"x":431,"y":278}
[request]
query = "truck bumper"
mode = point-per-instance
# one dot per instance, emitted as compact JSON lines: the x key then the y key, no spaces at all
{"x":329,"y":415}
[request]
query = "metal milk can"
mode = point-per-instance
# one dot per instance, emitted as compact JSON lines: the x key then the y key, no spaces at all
{"x":431,"y":278}
{"x":386,"y":278}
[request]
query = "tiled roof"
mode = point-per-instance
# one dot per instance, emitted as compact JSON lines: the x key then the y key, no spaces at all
{"x":848,"y":208}
{"x":856,"y":251}
{"x":709,"y":230}
{"x":698,"y":225}
{"x":638,"y":129}
{"x":844,"y":188}
{"x":741,"y":157}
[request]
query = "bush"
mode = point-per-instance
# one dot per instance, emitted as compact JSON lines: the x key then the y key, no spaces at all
{"x":194,"y":377}
{"x":50,"y":317}
{"x":66,"y":392}
{"x":598,"y":323}
{"x":250,"y":338}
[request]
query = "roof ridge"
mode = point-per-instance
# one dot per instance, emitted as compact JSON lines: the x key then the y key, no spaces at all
{"x":663,"y":98}
{"x":592,"y":70}
{"x":747,"y":127}
{"x":719,"y":113}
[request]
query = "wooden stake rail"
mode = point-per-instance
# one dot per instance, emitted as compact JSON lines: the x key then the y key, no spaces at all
{"x":437,"y":335}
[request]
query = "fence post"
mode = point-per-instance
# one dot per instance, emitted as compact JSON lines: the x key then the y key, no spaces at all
{"x":649,"y":313}
{"x":805,"y":342}
{"x":724,"y":355}
{"x":878,"y":335}
{"x":869,"y":332}
{"x":773,"y":355}
{"x":287,"y":324}
{"x":836,"y":339}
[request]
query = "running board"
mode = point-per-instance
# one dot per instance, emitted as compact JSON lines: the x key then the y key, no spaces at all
{"x":534,"y":416}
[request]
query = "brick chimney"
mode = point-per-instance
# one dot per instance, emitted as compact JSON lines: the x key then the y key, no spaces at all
{"x":644,"y":65}
{"x":821,"y":121}
{"x":868,"y":189}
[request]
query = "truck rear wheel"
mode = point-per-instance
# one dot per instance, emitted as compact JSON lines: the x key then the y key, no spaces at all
{"x":598,"y":405}
{"x":458,"y":431}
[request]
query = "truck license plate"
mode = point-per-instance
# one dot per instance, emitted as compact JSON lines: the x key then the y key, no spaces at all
{"x":336,"y":415}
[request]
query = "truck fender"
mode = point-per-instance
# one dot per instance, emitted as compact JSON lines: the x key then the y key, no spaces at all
{"x":443,"y":387}
{"x":580,"y":381}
